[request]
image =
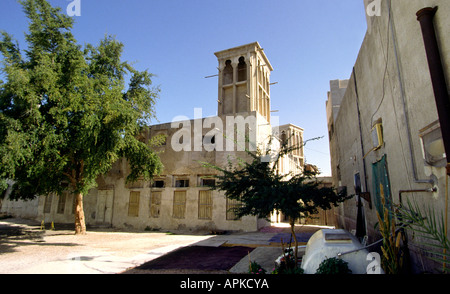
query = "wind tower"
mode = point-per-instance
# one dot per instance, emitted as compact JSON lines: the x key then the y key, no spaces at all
{"x":244,"y":80}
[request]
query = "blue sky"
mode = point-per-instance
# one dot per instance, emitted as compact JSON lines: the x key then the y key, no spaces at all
{"x":308,"y":43}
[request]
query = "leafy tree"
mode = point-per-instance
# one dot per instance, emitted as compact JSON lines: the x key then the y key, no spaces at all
{"x":261,"y":189}
{"x":66,"y":114}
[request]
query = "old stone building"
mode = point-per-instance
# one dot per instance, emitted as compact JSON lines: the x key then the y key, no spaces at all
{"x":181,"y":197}
{"x":389,"y":132}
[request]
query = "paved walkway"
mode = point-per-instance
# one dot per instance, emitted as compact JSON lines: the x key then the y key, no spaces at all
{"x":25,"y":249}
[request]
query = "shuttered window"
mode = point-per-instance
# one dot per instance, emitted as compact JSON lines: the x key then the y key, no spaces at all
{"x":48,"y":203}
{"x":232,"y":204}
{"x":205,"y":205}
{"x":207,"y":182}
{"x":155,"y":204}
{"x":182,"y":183}
{"x":158,"y":184}
{"x":179,"y":204}
{"x":133,"y":206}
{"x":61,"y":203}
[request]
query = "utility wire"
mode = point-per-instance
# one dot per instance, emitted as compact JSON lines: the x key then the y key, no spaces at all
{"x":386,"y":66}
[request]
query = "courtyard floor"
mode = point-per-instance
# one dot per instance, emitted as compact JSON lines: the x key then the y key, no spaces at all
{"x":26,"y":249}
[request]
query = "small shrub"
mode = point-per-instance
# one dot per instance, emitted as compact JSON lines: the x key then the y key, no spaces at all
{"x":287,"y":266}
{"x":333,"y":266}
{"x":255,"y":268}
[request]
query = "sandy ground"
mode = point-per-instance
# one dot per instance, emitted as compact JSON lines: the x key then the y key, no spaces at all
{"x":24,"y":248}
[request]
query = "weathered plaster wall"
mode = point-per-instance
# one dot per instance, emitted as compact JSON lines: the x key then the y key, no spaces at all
{"x":391,"y":83}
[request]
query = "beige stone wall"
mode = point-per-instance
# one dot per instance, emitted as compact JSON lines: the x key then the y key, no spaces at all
{"x":391,"y":84}
{"x":183,"y":165}
{"x":244,"y":112}
{"x":112,"y":202}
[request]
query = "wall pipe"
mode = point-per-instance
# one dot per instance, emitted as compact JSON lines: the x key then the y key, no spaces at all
{"x":425,"y":16}
{"x":446,"y":219}
{"x":366,"y":188}
{"x":360,"y":224}
{"x":413,"y":191}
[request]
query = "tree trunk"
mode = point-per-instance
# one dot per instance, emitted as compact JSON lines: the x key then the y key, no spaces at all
{"x":292,"y":223}
{"x":80,"y":225}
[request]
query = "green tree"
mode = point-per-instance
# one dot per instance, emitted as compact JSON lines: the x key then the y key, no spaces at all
{"x":261,"y":189}
{"x":66,"y":114}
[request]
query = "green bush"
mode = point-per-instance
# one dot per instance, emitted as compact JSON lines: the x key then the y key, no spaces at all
{"x":255,"y":268}
{"x":287,"y":266}
{"x":333,"y":266}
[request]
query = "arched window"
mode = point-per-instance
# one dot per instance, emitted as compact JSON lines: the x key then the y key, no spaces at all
{"x":228,"y":73}
{"x":242,"y":70}
{"x":283,"y":137}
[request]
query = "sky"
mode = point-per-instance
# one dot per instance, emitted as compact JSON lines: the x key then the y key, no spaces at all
{"x":308,"y":44}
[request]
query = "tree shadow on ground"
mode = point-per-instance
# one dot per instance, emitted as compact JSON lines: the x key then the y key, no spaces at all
{"x":14,"y":234}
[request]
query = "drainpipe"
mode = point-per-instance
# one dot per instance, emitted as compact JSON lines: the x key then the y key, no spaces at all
{"x":360,"y":130}
{"x":360,"y":223}
{"x":425,"y":16}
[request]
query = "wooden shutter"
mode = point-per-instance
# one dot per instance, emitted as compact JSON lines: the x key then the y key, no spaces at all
{"x":61,"y":203}
{"x":133,"y":206}
{"x":179,"y":204}
{"x":48,"y":203}
{"x":205,"y":205}
{"x":155,"y":204}
{"x":232,"y":204}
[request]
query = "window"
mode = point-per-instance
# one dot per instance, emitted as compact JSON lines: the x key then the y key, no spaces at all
{"x":433,"y":145}
{"x":158,"y":184}
{"x":377,"y":136}
{"x":155,"y":204}
{"x":61,"y":203}
{"x":207,"y":182}
{"x":179,"y":204}
{"x":182,"y":183}
{"x":228,"y":73}
{"x":232,"y":205}
{"x":283,"y":137}
{"x":205,"y":205}
{"x":133,"y":206}
{"x":48,"y":203}
{"x":299,"y":144}
{"x":242,"y":70}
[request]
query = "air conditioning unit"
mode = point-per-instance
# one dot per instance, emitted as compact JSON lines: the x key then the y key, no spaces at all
{"x":433,"y":145}
{"x":377,"y":136}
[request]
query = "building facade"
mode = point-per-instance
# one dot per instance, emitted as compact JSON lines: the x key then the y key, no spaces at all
{"x":387,"y":138}
{"x":181,"y":197}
